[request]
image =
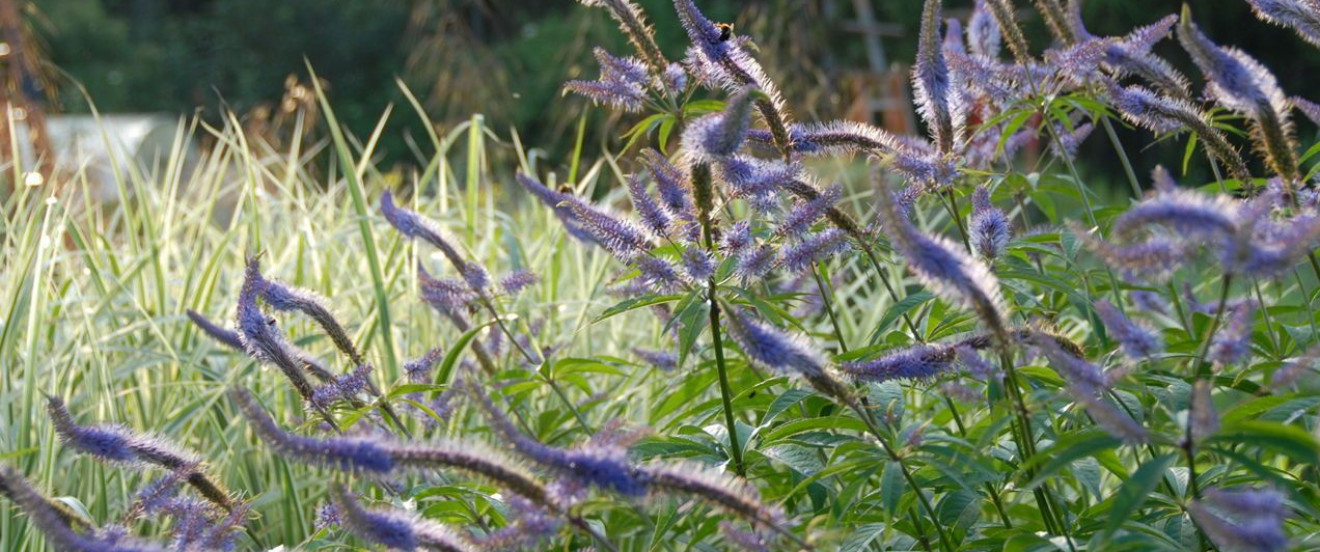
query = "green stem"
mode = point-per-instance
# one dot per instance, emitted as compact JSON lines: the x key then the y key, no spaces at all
{"x":1122,"y":156}
{"x":829,"y":308}
{"x":903,"y":468}
{"x":726,"y":391}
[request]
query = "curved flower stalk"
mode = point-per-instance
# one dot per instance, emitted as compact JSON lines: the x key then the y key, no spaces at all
{"x":1161,"y":115}
{"x":395,"y":530}
{"x":234,"y":340}
{"x":723,"y":62}
{"x":285,"y":298}
{"x":632,"y":21}
{"x":1302,"y":16}
{"x":414,"y":225}
{"x":945,"y":268}
{"x":1003,"y":13}
{"x":112,"y":443}
{"x":1056,"y":18}
{"x":1247,"y":519}
{"x":1085,"y":381}
{"x":53,"y":523}
{"x":718,"y":135}
{"x":1241,"y":84}
{"x":263,"y":341}
{"x":378,"y":457}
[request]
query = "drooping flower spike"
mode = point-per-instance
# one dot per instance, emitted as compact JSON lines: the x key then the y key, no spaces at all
{"x":414,"y":225}
{"x":54,"y":523}
{"x":930,"y":82}
{"x":393,"y":529}
{"x":112,"y":443}
{"x":1130,"y":55}
{"x":722,"y":134}
{"x":285,"y":298}
{"x":1241,"y":84}
{"x":1137,"y":342}
{"x":1302,"y":16}
{"x":1161,"y":115}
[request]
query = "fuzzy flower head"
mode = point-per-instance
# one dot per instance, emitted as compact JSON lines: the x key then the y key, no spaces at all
{"x":930,"y":80}
{"x":622,"y":82}
{"x":1137,"y":342}
{"x":772,"y":348}
{"x":393,"y":529}
{"x":920,"y":362}
{"x":1302,"y":16}
{"x":989,"y":228}
{"x":721,"y":134}
{"x":983,"y":36}
{"x":1242,"y":519}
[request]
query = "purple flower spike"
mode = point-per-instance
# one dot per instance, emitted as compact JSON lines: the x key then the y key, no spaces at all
{"x":989,"y":228}
{"x":363,"y":455}
{"x":1137,"y":342}
{"x":772,"y":348}
{"x":344,"y":387}
{"x":921,"y":362}
{"x":815,"y":248}
{"x":285,"y":298}
{"x":47,"y":517}
{"x":622,"y":82}
{"x":930,"y":80}
{"x":396,"y":530}
{"x":1242,"y":520}
{"x":656,"y":218}
{"x":225,"y":336}
{"x":1302,"y":16}
{"x":983,"y":36}
{"x":1233,"y":342}
{"x":721,"y":134}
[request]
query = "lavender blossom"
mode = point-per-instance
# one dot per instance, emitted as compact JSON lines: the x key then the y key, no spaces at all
{"x":733,"y":495}
{"x":772,"y":348}
{"x":1082,"y":376}
{"x":414,"y":225}
{"x":655,"y":217}
{"x":1150,"y":301}
{"x":721,"y":134}
{"x":753,"y":264}
{"x":262,"y":339}
{"x":515,"y":282}
{"x":657,"y":274}
{"x":633,"y":24}
{"x":622,"y":82}
{"x":1242,"y":520}
{"x":590,"y":466}
{"x":1131,"y":53}
{"x":225,"y":336}
{"x":1233,"y":342}
{"x":737,"y":239}
{"x":945,"y":268}
{"x":930,"y":81}
{"x":561,"y":203}
{"x":698,"y":264}
{"x":46,"y":517}
{"x":974,"y":363}
{"x":619,"y":236}
{"x":1302,"y":16}
{"x":953,"y":38}
{"x":1109,"y":417}
{"x":1137,"y":342}
{"x":344,"y":387}
{"x":1309,"y":109}
{"x":355,"y":454}
{"x":1161,"y":114}
{"x":1241,"y":84}
{"x":756,"y":179}
{"x":983,"y":38}
{"x":814,"y":248}
{"x":806,"y":213}
{"x":988,"y":229}
{"x":1155,"y":258}
{"x":1070,"y":139}
{"x":663,"y":360}
{"x":395,"y":530}
{"x":530,"y":526}
{"x":285,"y":298}
{"x":113,"y":443}
{"x":721,"y":60}
{"x":920,"y":362}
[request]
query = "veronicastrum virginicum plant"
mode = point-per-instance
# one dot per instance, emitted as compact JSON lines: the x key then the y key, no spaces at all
{"x":1032,"y":383}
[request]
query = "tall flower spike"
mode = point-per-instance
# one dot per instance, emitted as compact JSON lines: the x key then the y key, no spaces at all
{"x":1233,"y":342}
{"x":772,"y":348}
{"x":1056,"y":18}
{"x":721,"y":134}
{"x":1137,"y":342}
{"x":945,"y":268}
{"x":559,"y":202}
{"x":1302,"y":16}
{"x":1003,"y":13}
{"x":414,"y":225}
{"x":988,"y":229}
{"x":731,"y":494}
{"x":1131,"y":53}
{"x":632,"y":21}
{"x":814,"y":248}
{"x":395,"y":530}
{"x":1242,"y":84}
{"x":930,"y":80}
{"x":47,"y":518}
{"x":653,"y":216}
{"x":617,"y":235}
{"x":112,"y":443}
{"x":806,"y":213}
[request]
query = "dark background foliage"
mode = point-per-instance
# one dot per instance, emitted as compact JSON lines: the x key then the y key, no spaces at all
{"x":507,"y":58}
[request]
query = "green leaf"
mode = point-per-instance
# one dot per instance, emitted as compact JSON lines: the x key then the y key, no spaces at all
{"x":1287,"y":439}
{"x":1135,"y":491}
{"x":897,"y":310}
{"x":634,"y":304}
{"x":892,"y":486}
{"x":446,"y":370}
